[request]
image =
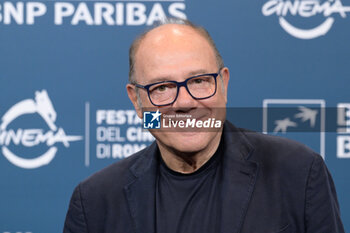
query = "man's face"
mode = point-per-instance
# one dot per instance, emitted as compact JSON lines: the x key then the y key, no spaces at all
{"x":177,"y":52}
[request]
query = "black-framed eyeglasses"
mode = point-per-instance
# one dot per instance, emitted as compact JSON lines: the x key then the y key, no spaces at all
{"x":166,"y":92}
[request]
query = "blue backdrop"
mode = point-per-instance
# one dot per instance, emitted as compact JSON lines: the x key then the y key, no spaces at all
{"x":64,"y":112}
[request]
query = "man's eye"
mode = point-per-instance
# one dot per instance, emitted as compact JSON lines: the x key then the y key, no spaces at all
{"x":161,"y":88}
{"x":198,"y":80}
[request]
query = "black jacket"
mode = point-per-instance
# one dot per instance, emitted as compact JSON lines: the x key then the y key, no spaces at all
{"x":270,"y":185}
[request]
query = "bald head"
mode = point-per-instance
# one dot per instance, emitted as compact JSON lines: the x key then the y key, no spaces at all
{"x":170,"y":32}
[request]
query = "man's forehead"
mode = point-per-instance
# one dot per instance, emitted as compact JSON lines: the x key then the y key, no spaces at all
{"x":169,"y":46}
{"x":171,"y":34}
{"x":171,"y":30}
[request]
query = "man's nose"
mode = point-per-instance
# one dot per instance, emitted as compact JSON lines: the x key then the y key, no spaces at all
{"x":184,"y":101}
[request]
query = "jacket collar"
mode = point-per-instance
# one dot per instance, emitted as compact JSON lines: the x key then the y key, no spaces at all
{"x":239,"y":175}
{"x":140,"y":192}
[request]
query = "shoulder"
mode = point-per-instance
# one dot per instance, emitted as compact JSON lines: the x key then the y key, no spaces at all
{"x":293,"y":179}
{"x":116,"y":175}
{"x":279,"y":156}
{"x":278,"y":147}
{"x":284,"y":165}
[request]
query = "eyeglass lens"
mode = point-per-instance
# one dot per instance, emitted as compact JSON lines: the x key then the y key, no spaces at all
{"x":166,"y":92}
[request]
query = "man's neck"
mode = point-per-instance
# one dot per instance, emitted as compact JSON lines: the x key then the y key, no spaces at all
{"x":186,"y":163}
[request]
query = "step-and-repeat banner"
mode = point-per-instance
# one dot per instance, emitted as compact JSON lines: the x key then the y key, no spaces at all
{"x":65,"y":114}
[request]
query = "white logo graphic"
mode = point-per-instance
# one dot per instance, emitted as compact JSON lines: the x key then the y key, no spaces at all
{"x":343,"y":138}
{"x":31,"y":137}
{"x":302,"y":120}
{"x":305,"y":9}
{"x":282,"y":125}
{"x":151,"y":120}
{"x":156,"y":116}
{"x":306,"y":114}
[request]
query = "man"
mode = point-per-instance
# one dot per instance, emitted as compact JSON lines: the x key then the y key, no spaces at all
{"x":214,"y":181}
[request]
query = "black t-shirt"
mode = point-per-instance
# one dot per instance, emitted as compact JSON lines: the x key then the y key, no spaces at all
{"x":189,"y":203}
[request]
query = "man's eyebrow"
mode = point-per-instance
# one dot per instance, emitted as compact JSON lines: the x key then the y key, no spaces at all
{"x":160,"y":79}
{"x":169,"y":78}
{"x":197,"y":72}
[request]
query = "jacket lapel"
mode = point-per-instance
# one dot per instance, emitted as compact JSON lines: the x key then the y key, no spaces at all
{"x":239,"y":176}
{"x":140,"y":192}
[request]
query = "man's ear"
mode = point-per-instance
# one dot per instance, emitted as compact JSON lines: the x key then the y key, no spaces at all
{"x":131,"y":89}
{"x":225,"y":73}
